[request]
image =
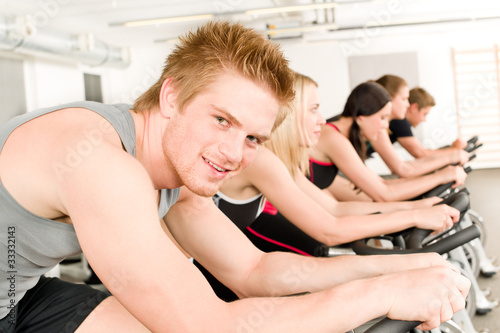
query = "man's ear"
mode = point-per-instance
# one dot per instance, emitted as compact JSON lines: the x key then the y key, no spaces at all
{"x":168,"y":97}
{"x":413,"y":108}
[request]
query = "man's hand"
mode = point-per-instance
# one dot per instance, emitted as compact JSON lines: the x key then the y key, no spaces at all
{"x":430,"y":295}
{"x":462,"y":156}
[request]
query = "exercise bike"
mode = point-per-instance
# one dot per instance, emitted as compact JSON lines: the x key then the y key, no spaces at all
{"x":416,"y":241}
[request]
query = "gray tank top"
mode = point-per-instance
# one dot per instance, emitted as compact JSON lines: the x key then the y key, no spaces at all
{"x":31,"y":245}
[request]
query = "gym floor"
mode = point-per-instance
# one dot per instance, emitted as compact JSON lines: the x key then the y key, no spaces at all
{"x":484,"y":187}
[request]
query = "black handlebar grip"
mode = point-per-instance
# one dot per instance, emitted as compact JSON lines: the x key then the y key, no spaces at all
{"x":473,"y":140}
{"x":441,"y":246}
{"x":387,"y":325}
{"x":459,"y":200}
{"x":417,"y":237}
{"x":473,"y":148}
{"x":471,"y":144}
{"x":438,"y":190}
{"x":451,"y":242}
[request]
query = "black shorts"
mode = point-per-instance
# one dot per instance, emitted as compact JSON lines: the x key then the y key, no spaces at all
{"x":54,"y":306}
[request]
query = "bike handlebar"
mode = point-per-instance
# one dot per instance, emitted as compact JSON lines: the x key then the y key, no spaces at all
{"x":415,"y":245}
{"x":472,"y":144}
{"x":441,"y":246}
{"x":387,"y":325}
{"x":438,"y":190}
{"x":459,"y":201}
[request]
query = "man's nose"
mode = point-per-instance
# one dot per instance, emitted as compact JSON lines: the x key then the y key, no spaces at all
{"x":232,"y":150}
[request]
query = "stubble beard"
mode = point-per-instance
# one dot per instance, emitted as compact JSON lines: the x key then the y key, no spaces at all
{"x":194,"y":182}
{"x":198,"y":187}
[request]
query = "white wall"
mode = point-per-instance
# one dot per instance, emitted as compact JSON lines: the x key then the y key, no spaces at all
{"x":324,"y":63}
{"x":124,"y":86}
{"x":49,"y":83}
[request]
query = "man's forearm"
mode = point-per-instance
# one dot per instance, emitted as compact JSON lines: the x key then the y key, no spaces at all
{"x":281,"y":273}
{"x":337,"y":310}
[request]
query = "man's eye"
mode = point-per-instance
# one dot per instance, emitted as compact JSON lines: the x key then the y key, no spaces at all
{"x":222,"y":121}
{"x":253,"y":139}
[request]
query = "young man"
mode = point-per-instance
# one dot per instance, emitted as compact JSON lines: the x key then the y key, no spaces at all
{"x":421,"y":103}
{"x":103,"y":177}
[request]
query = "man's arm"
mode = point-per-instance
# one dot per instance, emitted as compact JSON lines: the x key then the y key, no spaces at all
{"x":221,"y":248}
{"x":417,"y":150}
{"x":414,"y":147}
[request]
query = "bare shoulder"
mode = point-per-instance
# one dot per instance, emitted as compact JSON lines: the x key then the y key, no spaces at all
{"x":265,"y":166}
{"x":264,"y":159}
{"x":329,"y":132}
{"x":332,"y":140}
{"x":42,"y":153}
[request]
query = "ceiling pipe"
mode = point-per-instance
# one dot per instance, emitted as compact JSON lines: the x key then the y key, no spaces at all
{"x":19,"y":34}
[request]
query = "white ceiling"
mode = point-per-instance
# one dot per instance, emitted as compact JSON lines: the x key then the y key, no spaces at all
{"x":98,"y":16}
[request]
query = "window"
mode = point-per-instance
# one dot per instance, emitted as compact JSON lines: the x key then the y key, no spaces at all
{"x":478,"y":101}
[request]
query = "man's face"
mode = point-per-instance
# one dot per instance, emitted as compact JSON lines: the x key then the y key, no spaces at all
{"x":219,"y":131}
{"x":416,"y":116}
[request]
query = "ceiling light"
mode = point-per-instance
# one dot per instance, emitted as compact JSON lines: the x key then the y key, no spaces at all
{"x":288,"y":9}
{"x":165,"y":20}
{"x":317,"y":27}
{"x":271,"y":10}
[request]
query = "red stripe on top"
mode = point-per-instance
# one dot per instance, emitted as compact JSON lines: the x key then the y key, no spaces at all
{"x":278,"y":243}
{"x":311,"y":171}
{"x":269,"y":209}
{"x":319,"y":162}
{"x":332,"y":125}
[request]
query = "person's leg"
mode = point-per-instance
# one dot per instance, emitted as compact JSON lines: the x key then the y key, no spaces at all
{"x":54,"y":305}
{"x":110,"y":316}
{"x":223,"y":292}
